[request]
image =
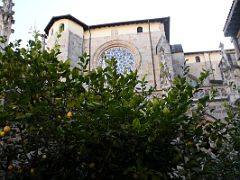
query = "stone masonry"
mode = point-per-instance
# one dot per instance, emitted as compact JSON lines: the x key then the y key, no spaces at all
{"x":142,"y":45}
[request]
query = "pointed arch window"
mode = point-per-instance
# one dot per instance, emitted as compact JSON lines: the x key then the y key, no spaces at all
{"x":139,"y":29}
{"x":197,"y":58}
{"x":61,"y":28}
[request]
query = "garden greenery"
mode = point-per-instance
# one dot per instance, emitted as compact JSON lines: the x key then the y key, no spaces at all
{"x":59,"y":122}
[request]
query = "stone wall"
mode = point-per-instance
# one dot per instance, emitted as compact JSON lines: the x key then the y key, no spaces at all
{"x":178,"y":63}
{"x":71,"y":45}
{"x":75,"y":48}
{"x":62,"y":41}
{"x":144,"y":43}
{"x":145,"y":46}
{"x":209,"y":60}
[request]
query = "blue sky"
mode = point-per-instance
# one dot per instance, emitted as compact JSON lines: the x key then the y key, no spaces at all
{"x":196,"y":24}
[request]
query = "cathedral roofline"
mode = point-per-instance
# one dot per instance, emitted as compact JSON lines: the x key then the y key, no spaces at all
{"x":232,"y":24}
{"x":67,"y":16}
{"x":176,"y":48}
{"x":164,"y":20}
{"x":207,"y":51}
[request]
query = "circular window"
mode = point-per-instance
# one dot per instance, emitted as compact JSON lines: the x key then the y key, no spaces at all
{"x":125,"y":59}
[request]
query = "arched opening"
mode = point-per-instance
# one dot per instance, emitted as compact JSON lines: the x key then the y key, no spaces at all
{"x":61,"y":28}
{"x":139,"y":29}
{"x":109,"y":48}
{"x":197,"y":58}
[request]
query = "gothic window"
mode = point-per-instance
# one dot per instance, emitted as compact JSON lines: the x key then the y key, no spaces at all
{"x":52,"y":32}
{"x":197,"y":58}
{"x":61,"y":28}
{"x":139,"y":29}
{"x":125,"y":59}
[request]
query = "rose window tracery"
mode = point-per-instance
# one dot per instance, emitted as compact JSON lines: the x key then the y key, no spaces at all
{"x":125,"y":59}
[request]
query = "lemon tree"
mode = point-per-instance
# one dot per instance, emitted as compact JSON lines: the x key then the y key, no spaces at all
{"x":58,"y":122}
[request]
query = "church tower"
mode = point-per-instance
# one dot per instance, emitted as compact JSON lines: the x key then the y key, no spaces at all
{"x":67,"y":32}
{"x":6,"y":19}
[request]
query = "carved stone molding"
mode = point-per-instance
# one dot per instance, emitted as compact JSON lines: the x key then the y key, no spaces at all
{"x":6,"y":18}
{"x":117,"y":43}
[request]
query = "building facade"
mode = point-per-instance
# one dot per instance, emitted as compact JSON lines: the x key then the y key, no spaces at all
{"x":231,"y":66}
{"x":232,"y":27}
{"x":212,"y":62}
{"x":144,"y":45}
{"x":141,"y":45}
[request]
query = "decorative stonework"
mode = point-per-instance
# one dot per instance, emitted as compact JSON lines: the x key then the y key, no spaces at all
{"x":6,"y":19}
{"x":125,"y":59}
{"x":231,"y":75}
{"x":165,"y":57}
{"x":165,"y":75}
{"x":126,"y":54}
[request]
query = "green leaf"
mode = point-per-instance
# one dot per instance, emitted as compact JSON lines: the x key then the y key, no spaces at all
{"x":136,"y":124}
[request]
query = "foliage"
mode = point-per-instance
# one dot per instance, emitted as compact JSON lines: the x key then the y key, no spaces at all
{"x":227,"y":162}
{"x":78,"y":124}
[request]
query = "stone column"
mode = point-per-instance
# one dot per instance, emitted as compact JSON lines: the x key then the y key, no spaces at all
{"x":6,"y":20}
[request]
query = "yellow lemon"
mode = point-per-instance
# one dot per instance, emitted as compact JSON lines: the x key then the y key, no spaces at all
{"x":69,"y":114}
{"x":92,"y":165}
{"x":32,"y":170}
{"x":10,"y":167}
{"x":44,"y":156}
{"x":2,"y":133}
{"x":6,"y":129}
{"x":189,"y":143}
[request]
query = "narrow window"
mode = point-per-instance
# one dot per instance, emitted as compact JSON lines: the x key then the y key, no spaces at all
{"x":61,"y":28}
{"x":197,"y":58}
{"x":139,"y":30}
{"x":52,"y":31}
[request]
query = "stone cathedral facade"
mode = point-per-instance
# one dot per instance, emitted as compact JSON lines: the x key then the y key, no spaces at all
{"x":145,"y":45}
{"x":141,"y":45}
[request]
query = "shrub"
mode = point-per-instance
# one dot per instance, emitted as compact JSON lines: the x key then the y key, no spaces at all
{"x":77,"y":124}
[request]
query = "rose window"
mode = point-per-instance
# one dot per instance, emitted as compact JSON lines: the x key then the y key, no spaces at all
{"x":125,"y":59}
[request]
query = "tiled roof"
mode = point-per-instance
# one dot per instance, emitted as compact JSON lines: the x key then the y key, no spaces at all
{"x":67,"y":16}
{"x":232,"y":24}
